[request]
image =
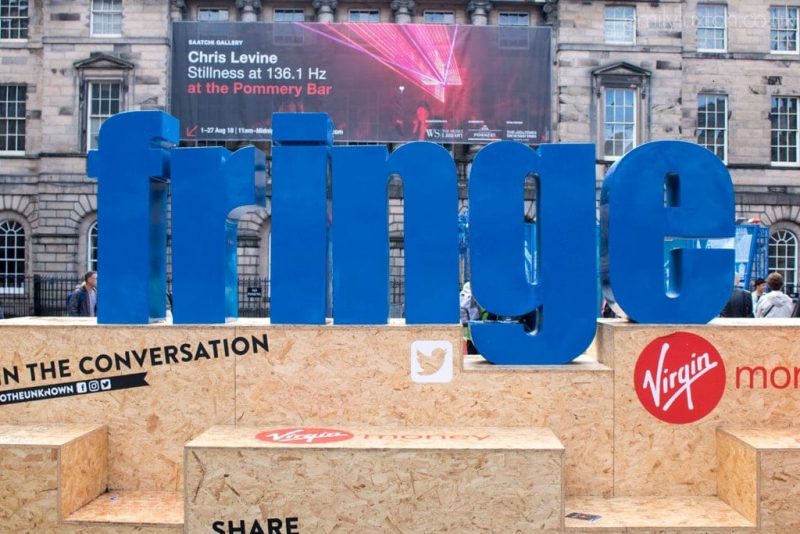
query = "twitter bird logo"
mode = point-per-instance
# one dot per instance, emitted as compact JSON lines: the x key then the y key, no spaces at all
{"x":431,"y":362}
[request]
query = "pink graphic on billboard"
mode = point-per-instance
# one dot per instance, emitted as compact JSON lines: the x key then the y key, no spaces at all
{"x":378,"y":82}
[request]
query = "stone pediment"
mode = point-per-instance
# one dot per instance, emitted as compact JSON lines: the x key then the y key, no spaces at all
{"x":103,"y":61}
{"x":621,"y":68}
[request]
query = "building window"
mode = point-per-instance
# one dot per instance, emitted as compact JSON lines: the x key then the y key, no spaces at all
{"x":91,"y":249}
{"x":12,"y":118}
{"x":288,"y":15}
{"x":619,"y":121}
{"x":513,"y":19}
{"x":107,"y":17}
{"x":711,"y":27}
{"x":712,"y":124}
{"x":13,"y":19}
{"x":439,"y":17}
{"x":783,"y":29}
{"x":104,"y":101}
{"x":783,"y":257}
{"x":363,"y":15}
{"x":210,"y":14}
{"x":12,"y":257}
{"x":784,"y":129}
{"x":620,"y":25}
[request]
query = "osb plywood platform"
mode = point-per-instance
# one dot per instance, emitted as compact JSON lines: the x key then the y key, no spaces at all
{"x":377,"y":479}
{"x":652,"y":457}
{"x":157,"y":387}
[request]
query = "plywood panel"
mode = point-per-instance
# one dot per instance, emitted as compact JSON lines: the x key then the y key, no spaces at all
{"x":737,"y":481}
{"x":657,"y":458}
{"x":362,"y":375}
{"x":28,"y":488}
{"x":147,"y":426}
{"x":84,"y":470}
{"x":378,"y":482}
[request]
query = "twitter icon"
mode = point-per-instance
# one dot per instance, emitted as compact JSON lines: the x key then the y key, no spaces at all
{"x":431,"y":362}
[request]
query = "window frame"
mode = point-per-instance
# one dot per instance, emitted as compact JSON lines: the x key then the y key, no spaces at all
{"x":23,"y":28}
{"x":112,"y":13}
{"x":516,"y":14}
{"x":367,"y":12}
{"x":90,"y":83}
{"x":433,"y":12}
{"x":724,"y":28}
{"x":776,"y":266}
{"x":772,"y":29}
{"x":17,"y":119}
{"x":632,"y":22}
{"x":604,"y":122}
{"x":288,"y":11}
{"x":91,"y":247}
{"x":16,"y":290}
{"x":213,"y":9}
{"x":714,"y":128}
{"x":795,"y":132}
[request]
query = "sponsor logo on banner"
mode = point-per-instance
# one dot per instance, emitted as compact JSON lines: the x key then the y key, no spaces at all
{"x":304,"y":435}
{"x":431,"y":362}
{"x":679,"y":378}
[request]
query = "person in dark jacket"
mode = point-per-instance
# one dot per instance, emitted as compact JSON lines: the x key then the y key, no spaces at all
{"x":740,"y":304}
{"x":83,"y":301}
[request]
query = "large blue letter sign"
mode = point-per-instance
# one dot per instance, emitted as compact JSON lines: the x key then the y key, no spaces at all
{"x":132,"y":168}
{"x":299,"y":272}
{"x":565,"y":294}
{"x":659,"y":190}
{"x":361,"y":235}
{"x":211,"y":190}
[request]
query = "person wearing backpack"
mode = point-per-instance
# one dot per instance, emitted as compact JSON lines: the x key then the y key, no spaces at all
{"x":83,"y":301}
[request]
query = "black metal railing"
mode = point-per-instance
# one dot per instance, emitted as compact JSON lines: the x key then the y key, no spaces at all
{"x":46,"y":295}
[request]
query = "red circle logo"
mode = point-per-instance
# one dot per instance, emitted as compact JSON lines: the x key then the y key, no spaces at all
{"x":679,"y":378}
{"x":303,"y":435}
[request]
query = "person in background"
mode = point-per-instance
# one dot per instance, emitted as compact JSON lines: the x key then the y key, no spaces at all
{"x":759,"y":287}
{"x":740,"y":304}
{"x":470,"y":311}
{"x":83,"y":301}
{"x":775,"y":303}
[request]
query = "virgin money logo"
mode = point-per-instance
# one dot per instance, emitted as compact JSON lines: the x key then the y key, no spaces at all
{"x":303,"y":435}
{"x":679,"y":378}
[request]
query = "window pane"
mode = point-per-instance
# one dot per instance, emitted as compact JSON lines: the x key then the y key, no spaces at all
{"x":12,"y":117}
{"x":288,"y":15}
{"x":439,"y":17}
{"x":711,"y":26}
{"x":12,"y":255}
{"x":513,"y":19}
{"x":619,"y":127}
{"x":13,"y":19}
{"x":784,"y":133}
{"x":712,"y":123}
{"x":107,"y":17}
{"x":783,"y":256}
{"x":211,"y":14}
{"x":620,"y":24}
{"x":783,"y":29}
{"x":104,"y":101}
{"x":364,"y":15}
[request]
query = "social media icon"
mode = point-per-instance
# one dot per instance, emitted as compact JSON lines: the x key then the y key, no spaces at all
{"x":105,"y":384}
{"x":81,"y":387}
{"x":431,"y":362}
{"x":94,"y":385}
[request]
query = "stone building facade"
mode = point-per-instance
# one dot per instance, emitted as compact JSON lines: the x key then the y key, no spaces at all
{"x":723,"y":73}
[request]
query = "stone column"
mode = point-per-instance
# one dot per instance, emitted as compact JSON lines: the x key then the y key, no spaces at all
{"x":325,"y":9}
{"x":403,"y":10}
{"x":479,"y":12}
{"x":177,"y":9}
{"x":248,"y":10}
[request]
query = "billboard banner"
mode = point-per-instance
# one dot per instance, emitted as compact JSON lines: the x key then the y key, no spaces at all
{"x":378,"y":82}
